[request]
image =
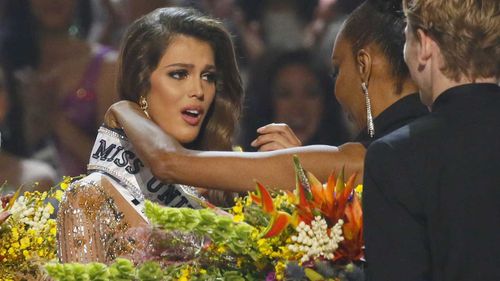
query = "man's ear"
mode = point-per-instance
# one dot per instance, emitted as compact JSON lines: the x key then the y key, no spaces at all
{"x":425,"y":47}
{"x":364,"y":64}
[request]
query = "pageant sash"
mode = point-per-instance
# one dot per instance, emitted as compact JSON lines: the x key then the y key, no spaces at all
{"x":114,"y":156}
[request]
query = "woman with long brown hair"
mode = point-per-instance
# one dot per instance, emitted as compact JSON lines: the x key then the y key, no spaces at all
{"x":179,"y":67}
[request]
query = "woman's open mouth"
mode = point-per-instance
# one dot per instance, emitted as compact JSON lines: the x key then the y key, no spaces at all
{"x":192,"y":116}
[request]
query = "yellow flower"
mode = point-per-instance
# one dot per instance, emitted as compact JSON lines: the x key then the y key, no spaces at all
{"x":25,"y":242}
{"x":248,"y":201}
{"x":203,"y":271}
{"x":53,"y":231}
{"x":185,"y":274}
{"x":238,"y":218}
{"x":26,"y":237}
{"x":50,"y":208}
{"x":239,"y":261}
{"x":15,"y":233}
{"x":238,"y":208}
{"x":65,"y":183}
{"x":264,"y":247}
{"x":26,"y":254}
{"x":280,"y":270}
{"x":221,"y":250}
{"x":359,"y":189}
{"x":58,"y":195}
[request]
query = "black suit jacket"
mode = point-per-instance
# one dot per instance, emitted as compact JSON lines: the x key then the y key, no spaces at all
{"x":432,"y":193}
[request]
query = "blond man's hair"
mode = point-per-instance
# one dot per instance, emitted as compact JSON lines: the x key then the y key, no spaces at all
{"x":466,"y":31}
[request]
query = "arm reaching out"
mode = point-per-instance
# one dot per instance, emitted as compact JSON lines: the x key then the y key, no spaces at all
{"x":234,"y":171}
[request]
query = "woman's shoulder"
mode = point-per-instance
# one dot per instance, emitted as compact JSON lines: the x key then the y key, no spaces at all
{"x":97,"y":190}
{"x":84,"y":193}
{"x":90,"y":214}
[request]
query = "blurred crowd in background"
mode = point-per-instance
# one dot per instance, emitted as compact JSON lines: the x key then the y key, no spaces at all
{"x":58,"y":62}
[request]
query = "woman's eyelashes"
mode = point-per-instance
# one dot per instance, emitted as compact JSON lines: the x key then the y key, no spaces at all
{"x":179,"y":74}
{"x":209,"y":76}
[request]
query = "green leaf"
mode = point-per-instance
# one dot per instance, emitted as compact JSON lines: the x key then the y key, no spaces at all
{"x":80,"y":272}
{"x":150,"y":271}
{"x":55,"y":270}
{"x":97,"y":271}
{"x":313,"y":275}
{"x":122,"y":270}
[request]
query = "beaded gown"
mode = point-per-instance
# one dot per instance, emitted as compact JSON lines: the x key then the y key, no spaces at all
{"x":98,"y":212}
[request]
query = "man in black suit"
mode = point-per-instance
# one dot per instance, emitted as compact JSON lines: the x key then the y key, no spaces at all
{"x":432,"y":188}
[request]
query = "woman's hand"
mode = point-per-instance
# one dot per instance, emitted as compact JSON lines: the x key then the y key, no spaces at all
{"x":275,"y":136}
{"x":110,"y":118}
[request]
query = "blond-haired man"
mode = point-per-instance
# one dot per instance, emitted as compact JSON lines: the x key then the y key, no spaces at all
{"x":432,"y":188}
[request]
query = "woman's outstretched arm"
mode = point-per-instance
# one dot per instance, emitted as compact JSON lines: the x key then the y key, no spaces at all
{"x":235,"y":171}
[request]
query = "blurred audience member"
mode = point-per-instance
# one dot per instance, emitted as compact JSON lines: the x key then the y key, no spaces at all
{"x":67,"y":83}
{"x":16,"y":171}
{"x":105,"y":21}
{"x":272,"y":24}
{"x":324,"y":27}
{"x":112,"y":17}
{"x":291,"y":89}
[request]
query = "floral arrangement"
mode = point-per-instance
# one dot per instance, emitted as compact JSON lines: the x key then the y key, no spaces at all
{"x":28,"y":232}
{"x":312,"y":233}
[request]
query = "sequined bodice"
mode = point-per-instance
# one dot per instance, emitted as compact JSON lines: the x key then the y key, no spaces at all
{"x":97,"y":211}
{"x":91,"y":227}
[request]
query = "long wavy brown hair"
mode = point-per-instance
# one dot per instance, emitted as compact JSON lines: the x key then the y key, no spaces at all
{"x":144,"y":45}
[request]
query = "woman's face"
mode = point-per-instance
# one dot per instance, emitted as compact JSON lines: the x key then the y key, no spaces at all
{"x":348,"y":89}
{"x":54,"y":15}
{"x":183,"y":87}
{"x":298,"y":100}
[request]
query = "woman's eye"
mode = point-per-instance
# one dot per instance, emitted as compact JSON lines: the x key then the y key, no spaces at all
{"x":209,"y":77}
{"x":178,"y":74}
